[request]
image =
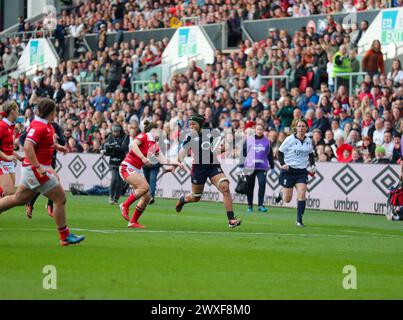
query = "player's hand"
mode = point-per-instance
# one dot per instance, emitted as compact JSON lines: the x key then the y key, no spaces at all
{"x":41,"y":171}
{"x":285,"y":167}
{"x":19,"y":158}
{"x":12,"y":158}
{"x":62,"y":149}
{"x":170,"y":168}
{"x":146,"y":161}
{"x":312,"y":171}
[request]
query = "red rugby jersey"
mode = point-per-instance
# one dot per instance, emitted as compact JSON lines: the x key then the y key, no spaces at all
{"x":41,"y":134}
{"x":6,"y":137}
{"x":146,"y":142}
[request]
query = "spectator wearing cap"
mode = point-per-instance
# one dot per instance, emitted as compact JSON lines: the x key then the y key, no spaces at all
{"x":341,"y":64}
{"x":380,"y":156}
{"x":372,"y":61}
{"x":344,"y":153}
{"x":154,"y":86}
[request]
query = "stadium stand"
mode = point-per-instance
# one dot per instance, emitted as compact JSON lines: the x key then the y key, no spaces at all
{"x":350,"y":118}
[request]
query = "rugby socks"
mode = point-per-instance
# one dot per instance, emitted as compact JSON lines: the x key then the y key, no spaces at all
{"x":63,"y":232}
{"x":300,"y":210}
{"x":230,"y":215}
{"x":137,"y":214}
{"x":132,"y":197}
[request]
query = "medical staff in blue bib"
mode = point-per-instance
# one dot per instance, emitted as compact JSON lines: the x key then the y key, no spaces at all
{"x":297,"y":161}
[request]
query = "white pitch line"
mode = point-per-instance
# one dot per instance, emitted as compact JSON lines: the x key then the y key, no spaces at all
{"x":105,"y":231}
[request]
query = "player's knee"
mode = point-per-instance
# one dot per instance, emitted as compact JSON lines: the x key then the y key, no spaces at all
{"x":142,"y":190}
{"x":147,"y":197}
{"x":8,"y":193}
{"x":224,"y":187}
{"x":287,"y":199}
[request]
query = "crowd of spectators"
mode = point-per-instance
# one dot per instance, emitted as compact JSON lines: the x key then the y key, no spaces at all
{"x":364,"y":125}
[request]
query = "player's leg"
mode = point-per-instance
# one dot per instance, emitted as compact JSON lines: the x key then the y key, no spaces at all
{"x":19,"y":198}
{"x":287,"y":183}
{"x":7,"y":184}
{"x":195,"y":196}
{"x":113,"y":186}
{"x":29,"y":206}
{"x":153,"y":182}
{"x":54,"y":191}
{"x":199,"y":177}
{"x":261,"y":178}
{"x":301,"y":202}
{"x":251,"y":188}
{"x":140,"y":208}
{"x":221,"y":182}
{"x":49,"y":205}
{"x":139,"y":188}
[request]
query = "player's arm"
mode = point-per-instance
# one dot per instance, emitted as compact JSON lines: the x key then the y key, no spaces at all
{"x":137,"y":152}
{"x":312,"y":167}
{"x":17,"y":156}
{"x":281,"y":151}
{"x":184,"y":149}
{"x":270,"y":158}
{"x":29,"y":149}
{"x":8,"y":158}
{"x":168,"y":167}
{"x":61,"y":139}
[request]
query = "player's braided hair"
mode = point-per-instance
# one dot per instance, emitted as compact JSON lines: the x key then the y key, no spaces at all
{"x":199,"y":119}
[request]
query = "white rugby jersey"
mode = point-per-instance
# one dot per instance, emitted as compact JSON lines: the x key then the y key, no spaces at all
{"x":296,"y":152}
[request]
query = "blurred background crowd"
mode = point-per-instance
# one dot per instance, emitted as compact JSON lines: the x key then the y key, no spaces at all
{"x":359,"y":123}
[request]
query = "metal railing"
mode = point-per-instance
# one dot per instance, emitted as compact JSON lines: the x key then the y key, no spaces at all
{"x":85,"y":88}
{"x":196,"y":20}
{"x":26,"y":35}
{"x":139,"y":84}
{"x":352,"y":83}
{"x":275,"y":79}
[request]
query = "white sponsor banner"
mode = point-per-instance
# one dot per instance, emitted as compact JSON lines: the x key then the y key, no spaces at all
{"x":336,"y":186}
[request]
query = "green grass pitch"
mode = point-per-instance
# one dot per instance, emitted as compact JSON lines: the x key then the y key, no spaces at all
{"x":194,"y":255}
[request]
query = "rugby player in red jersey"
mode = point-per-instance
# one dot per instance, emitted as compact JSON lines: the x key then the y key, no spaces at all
{"x":37,"y":174}
{"x":143,"y":149}
{"x":8,"y":156}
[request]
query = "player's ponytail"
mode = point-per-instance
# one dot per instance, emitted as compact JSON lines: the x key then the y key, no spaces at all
{"x":148,"y":126}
